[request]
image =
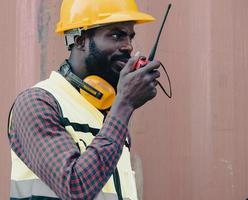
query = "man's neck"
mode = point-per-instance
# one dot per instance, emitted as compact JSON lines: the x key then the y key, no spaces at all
{"x":78,"y":67}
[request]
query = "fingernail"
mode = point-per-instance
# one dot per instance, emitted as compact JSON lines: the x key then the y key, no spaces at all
{"x":137,"y":54}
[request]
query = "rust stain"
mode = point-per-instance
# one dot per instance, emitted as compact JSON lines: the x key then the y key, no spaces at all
{"x":137,"y":167}
{"x":44,"y":17}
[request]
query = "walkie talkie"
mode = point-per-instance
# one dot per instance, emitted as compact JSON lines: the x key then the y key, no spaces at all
{"x":142,"y":62}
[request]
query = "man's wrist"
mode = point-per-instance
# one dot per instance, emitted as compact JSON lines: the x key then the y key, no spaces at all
{"x":122,"y":110}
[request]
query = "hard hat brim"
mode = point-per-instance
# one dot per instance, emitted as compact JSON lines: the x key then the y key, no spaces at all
{"x":137,"y":17}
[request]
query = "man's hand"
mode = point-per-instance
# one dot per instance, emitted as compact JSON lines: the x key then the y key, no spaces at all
{"x":137,"y":87}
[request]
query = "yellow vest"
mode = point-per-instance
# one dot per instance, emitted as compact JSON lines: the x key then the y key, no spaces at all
{"x":24,"y":183}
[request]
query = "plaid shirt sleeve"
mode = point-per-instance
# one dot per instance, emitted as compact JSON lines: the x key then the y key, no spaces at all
{"x":38,"y":138}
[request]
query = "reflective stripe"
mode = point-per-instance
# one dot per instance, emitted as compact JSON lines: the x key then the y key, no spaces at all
{"x":108,"y":196}
{"x":35,"y":198}
{"x":99,"y":197}
{"x":35,"y":190}
{"x":28,"y":188}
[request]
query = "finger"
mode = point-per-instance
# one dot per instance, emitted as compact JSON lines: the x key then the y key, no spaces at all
{"x":150,"y":66}
{"x":155,"y":74}
{"x":131,"y":63}
{"x":150,"y":78}
{"x":153,"y":93}
{"x":155,"y":83}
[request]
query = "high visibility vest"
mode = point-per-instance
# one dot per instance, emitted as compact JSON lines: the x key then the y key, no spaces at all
{"x":24,"y":183}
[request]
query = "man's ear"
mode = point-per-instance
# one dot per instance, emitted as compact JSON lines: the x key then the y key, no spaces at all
{"x":80,"y":42}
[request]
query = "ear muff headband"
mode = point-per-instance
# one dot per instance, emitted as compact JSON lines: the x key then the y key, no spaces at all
{"x":95,"y":89}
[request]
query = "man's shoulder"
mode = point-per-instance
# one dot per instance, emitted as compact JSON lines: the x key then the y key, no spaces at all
{"x":35,"y":96}
{"x":34,"y":93}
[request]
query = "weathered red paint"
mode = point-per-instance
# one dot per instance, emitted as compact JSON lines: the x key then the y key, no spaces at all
{"x":188,"y":148}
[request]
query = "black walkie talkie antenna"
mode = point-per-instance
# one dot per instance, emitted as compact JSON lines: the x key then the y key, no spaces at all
{"x":153,"y":51}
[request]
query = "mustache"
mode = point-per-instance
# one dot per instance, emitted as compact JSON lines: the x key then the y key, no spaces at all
{"x":123,"y":57}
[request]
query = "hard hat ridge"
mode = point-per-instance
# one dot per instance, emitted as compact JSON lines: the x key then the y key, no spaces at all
{"x":85,"y":14}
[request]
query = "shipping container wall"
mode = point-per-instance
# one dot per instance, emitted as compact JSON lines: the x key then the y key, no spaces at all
{"x":190,"y":147}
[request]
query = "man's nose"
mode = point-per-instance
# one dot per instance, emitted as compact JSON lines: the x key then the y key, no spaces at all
{"x":127,"y":46}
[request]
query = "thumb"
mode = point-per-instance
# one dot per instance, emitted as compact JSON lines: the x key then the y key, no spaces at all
{"x":129,"y":67}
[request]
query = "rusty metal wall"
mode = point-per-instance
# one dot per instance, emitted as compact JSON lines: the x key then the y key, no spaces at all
{"x":188,"y":148}
{"x":29,"y":51}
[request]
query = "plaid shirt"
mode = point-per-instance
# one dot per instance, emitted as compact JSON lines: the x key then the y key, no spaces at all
{"x":38,"y":138}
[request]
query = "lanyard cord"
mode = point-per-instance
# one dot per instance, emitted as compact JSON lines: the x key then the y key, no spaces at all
{"x":170,"y":93}
{"x":117,"y":184}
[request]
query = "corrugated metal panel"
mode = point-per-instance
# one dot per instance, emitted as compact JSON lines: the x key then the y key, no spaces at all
{"x":190,"y":147}
{"x":194,"y":146}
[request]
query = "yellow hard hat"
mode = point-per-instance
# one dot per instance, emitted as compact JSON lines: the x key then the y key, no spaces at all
{"x":87,"y":14}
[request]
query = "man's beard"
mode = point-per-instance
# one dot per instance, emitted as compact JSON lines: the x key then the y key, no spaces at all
{"x":98,"y":63}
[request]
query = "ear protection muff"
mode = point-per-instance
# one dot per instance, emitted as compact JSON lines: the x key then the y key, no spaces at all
{"x":93,"y":88}
{"x":102,"y":86}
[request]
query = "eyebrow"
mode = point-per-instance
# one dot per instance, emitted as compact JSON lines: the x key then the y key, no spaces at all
{"x":123,"y":32}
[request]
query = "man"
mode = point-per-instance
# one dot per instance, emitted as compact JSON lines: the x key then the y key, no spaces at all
{"x":67,"y":135}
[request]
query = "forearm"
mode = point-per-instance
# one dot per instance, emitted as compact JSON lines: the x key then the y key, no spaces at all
{"x":95,"y":166}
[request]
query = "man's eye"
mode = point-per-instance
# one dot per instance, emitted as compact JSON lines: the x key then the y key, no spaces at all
{"x":116,"y":36}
